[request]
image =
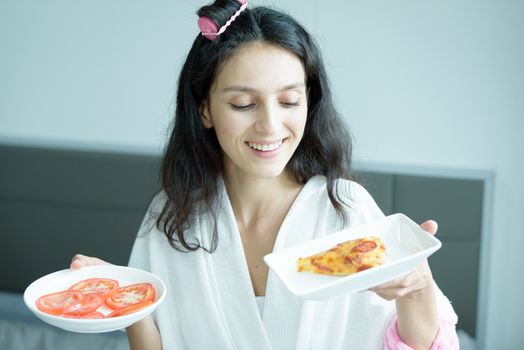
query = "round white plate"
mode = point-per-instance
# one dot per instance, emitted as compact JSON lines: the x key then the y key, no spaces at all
{"x":62,"y":280}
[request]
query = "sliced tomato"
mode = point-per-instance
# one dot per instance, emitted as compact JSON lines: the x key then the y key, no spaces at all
{"x":102,"y":286}
{"x":129,"y":309}
{"x":90,"y":304}
{"x":364,"y":247}
{"x":61,"y":302}
{"x":93,"y":315}
{"x":130,"y":295}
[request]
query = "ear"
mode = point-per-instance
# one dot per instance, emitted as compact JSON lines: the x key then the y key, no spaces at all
{"x":205,"y":115}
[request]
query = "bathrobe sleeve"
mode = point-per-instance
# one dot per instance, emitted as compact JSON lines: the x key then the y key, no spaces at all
{"x":447,"y":336}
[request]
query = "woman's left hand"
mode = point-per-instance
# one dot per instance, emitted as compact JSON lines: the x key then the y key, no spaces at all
{"x":415,"y":302}
{"x":416,"y":280}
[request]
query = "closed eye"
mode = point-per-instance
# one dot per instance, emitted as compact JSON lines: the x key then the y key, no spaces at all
{"x":291,"y":104}
{"x":251,"y":105}
{"x":242,"y":107}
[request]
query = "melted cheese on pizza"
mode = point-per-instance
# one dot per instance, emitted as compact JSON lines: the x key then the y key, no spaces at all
{"x":346,"y":258}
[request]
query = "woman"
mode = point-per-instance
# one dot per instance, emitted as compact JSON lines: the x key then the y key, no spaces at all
{"x":258,"y":160}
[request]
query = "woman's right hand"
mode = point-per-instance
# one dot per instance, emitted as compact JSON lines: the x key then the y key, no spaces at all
{"x":143,"y":334}
{"x":79,"y":261}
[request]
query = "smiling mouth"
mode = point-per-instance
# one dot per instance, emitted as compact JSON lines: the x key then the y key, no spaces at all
{"x":265,"y":147}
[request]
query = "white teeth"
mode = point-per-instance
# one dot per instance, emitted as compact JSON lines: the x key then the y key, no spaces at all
{"x":265,"y":147}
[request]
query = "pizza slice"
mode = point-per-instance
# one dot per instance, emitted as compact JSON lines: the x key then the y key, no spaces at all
{"x":346,"y":258}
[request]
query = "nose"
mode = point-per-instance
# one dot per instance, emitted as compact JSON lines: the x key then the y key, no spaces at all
{"x":267,"y":119}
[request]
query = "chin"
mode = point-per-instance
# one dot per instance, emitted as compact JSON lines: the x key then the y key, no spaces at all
{"x":269,"y":173}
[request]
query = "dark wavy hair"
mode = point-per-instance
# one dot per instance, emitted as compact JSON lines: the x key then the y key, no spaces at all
{"x":192,"y":163}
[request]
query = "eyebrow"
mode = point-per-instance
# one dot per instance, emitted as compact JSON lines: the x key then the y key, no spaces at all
{"x":242,"y":88}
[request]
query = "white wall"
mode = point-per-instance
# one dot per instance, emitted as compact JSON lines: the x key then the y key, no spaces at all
{"x":91,"y":73}
{"x":434,"y":83}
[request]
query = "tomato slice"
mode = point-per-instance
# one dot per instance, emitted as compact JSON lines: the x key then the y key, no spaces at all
{"x":130,"y":309}
{"x":93,"y":315}
{"x":102,"y":286}
{"x":90,"y":304}
{"x":130,"y":295}
{"x":61,"y":302}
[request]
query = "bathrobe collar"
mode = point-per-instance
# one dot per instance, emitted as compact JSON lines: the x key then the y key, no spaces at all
{"x":281,"y":310}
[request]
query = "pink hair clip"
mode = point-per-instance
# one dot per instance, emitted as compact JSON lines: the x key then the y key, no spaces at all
{"x":209,"y":28}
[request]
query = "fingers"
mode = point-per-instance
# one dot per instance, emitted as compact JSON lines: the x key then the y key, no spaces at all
{"x":416,"y":280}
{"x":430,"y":226}
{"x":78,"y":261}
{"x":401,"y":289}
{"x":397,"y":287}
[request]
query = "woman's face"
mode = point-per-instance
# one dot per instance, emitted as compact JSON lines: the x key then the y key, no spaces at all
{"x":258,"y":108}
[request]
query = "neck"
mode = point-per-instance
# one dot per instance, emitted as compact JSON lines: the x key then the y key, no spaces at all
{"x":254,"y":198}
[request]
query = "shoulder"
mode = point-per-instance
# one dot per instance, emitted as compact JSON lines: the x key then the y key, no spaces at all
{"x":357,"y":201}
{"x":154,"y":209}
{"x":346,"y":190}
{"x":158,"y":202}
{"x":353,"y":191}
{"x":361,"y":204}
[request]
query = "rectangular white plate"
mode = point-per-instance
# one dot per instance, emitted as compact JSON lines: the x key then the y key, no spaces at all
{"x":406,"y":244}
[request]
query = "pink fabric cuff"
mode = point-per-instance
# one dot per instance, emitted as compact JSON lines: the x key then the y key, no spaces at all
{"x":446,"y":338}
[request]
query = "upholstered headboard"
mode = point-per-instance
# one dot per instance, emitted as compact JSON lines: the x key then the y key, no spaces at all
{"x":55,"y":203}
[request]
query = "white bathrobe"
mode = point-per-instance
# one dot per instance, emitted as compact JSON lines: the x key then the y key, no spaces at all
{"x":210,"y":302}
